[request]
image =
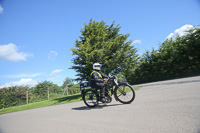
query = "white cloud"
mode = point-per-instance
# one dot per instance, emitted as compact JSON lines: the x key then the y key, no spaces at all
{"x":24,"y":75}
{"x":10,"y":52}
{"x":180,"y":32}
{"x":52,"y":55}
{"x":23,"y":82}
{"x":136,"y":41}
{"x":55,"y":72}
{"x":1,"y":9}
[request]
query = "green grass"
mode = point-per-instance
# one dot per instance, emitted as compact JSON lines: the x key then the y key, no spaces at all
{"x":68,"y":99}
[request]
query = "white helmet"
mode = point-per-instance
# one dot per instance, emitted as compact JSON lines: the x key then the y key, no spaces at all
{"x":97,"y":66}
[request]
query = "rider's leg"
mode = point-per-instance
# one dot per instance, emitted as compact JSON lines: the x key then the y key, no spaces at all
{"x":102,"y":91}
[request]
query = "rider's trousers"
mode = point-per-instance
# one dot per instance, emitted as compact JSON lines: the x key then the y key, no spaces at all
{"x":101,"y":86}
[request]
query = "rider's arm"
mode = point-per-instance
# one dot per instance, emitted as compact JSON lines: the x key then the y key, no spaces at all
{"x":95,"y":77}
{"x":103,"y":75}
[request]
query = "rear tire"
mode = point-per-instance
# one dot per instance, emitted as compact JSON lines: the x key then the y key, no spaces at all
{"x":90,"y":98}
{"x":124,"y":93}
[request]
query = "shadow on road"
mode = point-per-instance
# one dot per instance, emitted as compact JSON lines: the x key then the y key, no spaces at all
{"x":100,"y":106}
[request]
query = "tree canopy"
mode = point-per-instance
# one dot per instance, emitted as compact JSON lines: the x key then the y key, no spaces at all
{"x":102,"y":43}
{"x":175,"y":58}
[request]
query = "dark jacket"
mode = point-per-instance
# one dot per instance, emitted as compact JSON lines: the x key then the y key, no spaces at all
{"x":97,"y":77}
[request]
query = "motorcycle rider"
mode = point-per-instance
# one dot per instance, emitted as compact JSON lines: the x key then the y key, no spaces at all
{"x":97,"y":80}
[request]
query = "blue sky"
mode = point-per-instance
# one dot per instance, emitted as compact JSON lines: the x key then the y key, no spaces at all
{"x":36,"y":35}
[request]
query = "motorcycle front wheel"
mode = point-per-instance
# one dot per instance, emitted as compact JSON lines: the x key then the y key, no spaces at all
{"x":90,"y":98}
{"x":124,"y":93}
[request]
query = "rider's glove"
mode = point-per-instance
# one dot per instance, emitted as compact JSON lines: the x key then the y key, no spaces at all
{"x":106,"y":80}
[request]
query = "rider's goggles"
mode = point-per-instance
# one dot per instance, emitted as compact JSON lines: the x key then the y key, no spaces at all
{"x":97,"y":66}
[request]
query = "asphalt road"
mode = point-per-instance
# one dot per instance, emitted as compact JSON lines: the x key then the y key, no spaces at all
{"x":162,"y":107}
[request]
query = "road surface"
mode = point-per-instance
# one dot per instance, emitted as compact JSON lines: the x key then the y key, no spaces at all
{"x":162,"y":107}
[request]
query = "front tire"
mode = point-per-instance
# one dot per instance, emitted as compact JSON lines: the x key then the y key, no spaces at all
{"x":90,"y":98}
{"x":124,"y":93}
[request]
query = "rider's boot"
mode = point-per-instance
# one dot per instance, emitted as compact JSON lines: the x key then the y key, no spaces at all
{"x":103,"y":99}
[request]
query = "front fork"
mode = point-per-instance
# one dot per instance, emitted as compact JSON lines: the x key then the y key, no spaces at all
{"x":113,"y":91}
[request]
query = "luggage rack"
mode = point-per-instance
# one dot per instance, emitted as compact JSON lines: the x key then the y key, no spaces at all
{"x":83,"y":86}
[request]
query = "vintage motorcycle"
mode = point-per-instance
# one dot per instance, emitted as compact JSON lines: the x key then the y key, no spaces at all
{"x":122,"y":92}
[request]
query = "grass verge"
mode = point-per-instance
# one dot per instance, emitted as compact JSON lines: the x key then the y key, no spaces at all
{"x":68,"y":99}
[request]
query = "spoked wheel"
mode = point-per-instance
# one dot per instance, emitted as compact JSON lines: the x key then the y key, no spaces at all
{"x":124,"y":93}
{"x":90,"y":98}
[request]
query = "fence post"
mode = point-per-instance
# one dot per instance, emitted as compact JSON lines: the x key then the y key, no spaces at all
{"x":66,"y":89}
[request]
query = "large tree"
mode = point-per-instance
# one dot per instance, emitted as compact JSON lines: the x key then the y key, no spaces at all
{"x":102,"y":43}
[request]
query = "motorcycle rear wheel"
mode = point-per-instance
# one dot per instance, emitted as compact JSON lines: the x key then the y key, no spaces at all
{"x":90,"y":98}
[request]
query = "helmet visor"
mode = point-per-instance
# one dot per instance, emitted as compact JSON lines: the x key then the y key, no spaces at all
{"x":97,"y":66}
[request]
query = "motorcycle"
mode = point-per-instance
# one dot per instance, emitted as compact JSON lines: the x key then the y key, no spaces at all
{"x":122,"y":92}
